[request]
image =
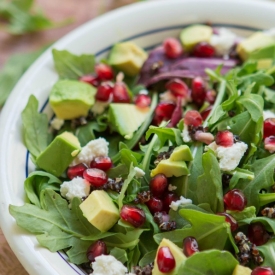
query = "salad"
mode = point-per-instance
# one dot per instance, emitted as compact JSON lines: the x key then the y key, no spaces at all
{"x":158,"y":162}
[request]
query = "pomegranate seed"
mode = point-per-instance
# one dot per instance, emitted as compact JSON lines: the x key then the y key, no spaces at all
{"x":165,"y":260}
{"x":228,"y":218}
{"x":158,"y":185}
{"x":164,"y":111}
{"x":234,"y":200}
{"x":269,"y":127}
{"x":198,"y":91}
{"x":257,"y":233}
{"x":104,"y":90}
{"x":167,"y":200}
{"x":204,"y":49}
{"x":96,"y":249}
{"x":102,"y":163}
{"x":104,"y":72}
{"x":133,"y":215}
{"x":143,"y":101}
{"x":193,"y":117}
{"x":76,"y":171}
{"x":204,"y":137}
{"x":190,"y":246}
{"x":172,"y":47}
{"x":269,"y":144}
{"x":177,"y":87}
{"x":262,"y":270}
{"x":155,"y":205}
{"x":120,"y":92}
{"x":206,"y":112}
{"x":210,"y":96}
{"x":90,"y":79}
{"x":95,"y":176}
{"x":224,"y":138}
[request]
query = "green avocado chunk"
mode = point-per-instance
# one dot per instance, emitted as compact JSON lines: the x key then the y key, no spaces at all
{"x":126,"y":118}
{"x":170,"y":168}
{"x":71,"y":99}
{"x":181,"y":152}
{"x":59,"y":154}
{"x":177,"y":254}
{"x":194,"y":34}
{"x":127,"y":57}
{"x":257,"y":46}
{"x":241,"y":270}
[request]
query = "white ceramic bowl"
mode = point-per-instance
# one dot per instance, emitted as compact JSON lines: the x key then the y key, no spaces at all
{"x":147,"y":24}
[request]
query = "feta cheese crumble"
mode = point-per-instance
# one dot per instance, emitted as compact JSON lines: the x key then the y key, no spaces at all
{"x":171,"y":187}
{"x":99,"y":107}
{"x":77,"y":187}
{"x":94,"y":148}
{"x":185,"y":134}
{"x":57,"y":123}
{"x":175,"y":204}
{"x":108,"y":265}
{"x":268,"y":114}
{"x":229,"y":157}
{"x":139,"y":172}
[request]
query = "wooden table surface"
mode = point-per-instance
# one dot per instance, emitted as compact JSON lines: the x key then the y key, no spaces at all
{"x":82,"y":11}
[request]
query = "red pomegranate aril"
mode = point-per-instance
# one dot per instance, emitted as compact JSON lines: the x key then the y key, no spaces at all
{"x":204,"y":49}
{"x":142,"y":101}
{"x":90,"y":79}
{"x":96,"y":249}
{"x":164,"y":111}
{"x":165,"y":260}
{"x":206,"y":112}
{"x":198,"y":91}
{"x":190,"y":246}
{"x":228,"y":218}
{"x":234,"y":200}
{"x":210,"y":96}
{"x":262,"y":270}
{"x":95,"y":177}
{"x":158,"y":185}
{"x":104,"y":91}
{"x":257,"y":233}
{"x":172,"y":48}
{"x":133,"y":215}
{"x":269,"y":144}
{"x":192,"y":118}
{"x":102,"y":163}
{"x":177,"y":87}
{"x":269,"y":127}
{"x":104,"y":72}
{"x":76,"y":171}
{"x":167,"y":200}
{"x":120,"y":93}
{"x":155,"y":205}
{"x":224,"y":138}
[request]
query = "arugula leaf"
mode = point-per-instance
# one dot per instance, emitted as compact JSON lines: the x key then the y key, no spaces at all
{"x":38,"y":181}
{"x":215,"y":262}
{"x":119,"y":254}
{"x":268,"y":251}
{"x":147,"y":244}
{"x":259,"y":77}
{"x":247,"y":213}
{"x":56,"y":226}
{"x":35,"y":128}
{"x":148,"y":258}
{"x":70,"y":66}
{"x":238,"y":174}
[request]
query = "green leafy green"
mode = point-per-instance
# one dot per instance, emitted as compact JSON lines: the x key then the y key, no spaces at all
{"x":268,"y":252}
{"x":35,"y":128}
{"x":119,"y":254}
{"x":247,"y":213}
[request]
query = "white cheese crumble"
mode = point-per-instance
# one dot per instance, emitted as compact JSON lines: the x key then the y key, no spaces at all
{"x":223,"y":41}
{"x":229,"y":157}
{"x":185,"y":134}
{"x":99,"y":107}
{"x":175,"y":204}
{"x":77,"y":187}
{"x":57,"y":123}
{"x":108,"y":265}
{"x":171,"y":187}
{"x":94,"y":148}
{"x":268,"y":114}
{"x":139,"y":172}
{"x":168,"y":96}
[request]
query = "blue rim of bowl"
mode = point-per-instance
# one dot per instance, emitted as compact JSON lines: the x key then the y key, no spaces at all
{"x":107,"y":49}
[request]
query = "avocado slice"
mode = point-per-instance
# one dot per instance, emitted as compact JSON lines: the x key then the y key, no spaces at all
{"x":177,"y":254}
{"x":241,"y":270}
{"x":257,"y":46}
{"x":194,"y":34}
{"x":126,"y":118}
{"x":181,"y":152}
{"x":127,"y":57}
{"x":59,"y":154}
{"x":170,"y":168}
{"x":71,"y":99}
{"x":100,"y":210}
